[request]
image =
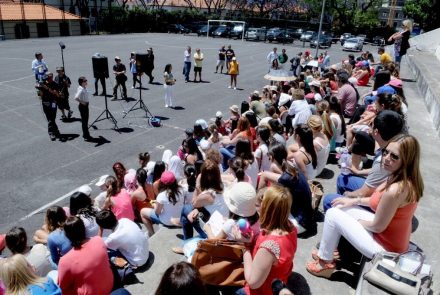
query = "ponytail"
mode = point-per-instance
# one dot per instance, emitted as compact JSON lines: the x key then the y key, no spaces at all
{"x":328,"y":125}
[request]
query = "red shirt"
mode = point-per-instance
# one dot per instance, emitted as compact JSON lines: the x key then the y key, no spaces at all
{"x":122,"y":206}
{"x":86,"y":271}
{"x":284,"y":248}
{"x":395,"y":237}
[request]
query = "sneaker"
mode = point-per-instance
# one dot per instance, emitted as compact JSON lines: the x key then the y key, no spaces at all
{"x":52,"y":137}
{"x":114,"y":98}
{"x":235,"y":88}
{"x":229,"y":87}
{"x":69,"y":114}
{"x":63,"y":117}
{"x":132,"y":87}
{"x":95,"y":94}
{"x":166,"y":105}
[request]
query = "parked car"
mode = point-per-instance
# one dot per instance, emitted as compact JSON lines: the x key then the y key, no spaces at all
{"x":204,"y":30}
{"x":222,"y":31}
{"x":344,"y":37}
{"x":237,"y":31}
{"x":178,"y":28}
{"x":332,"y":36}
{"x":307,"y":36}
{"x":280,"y":36}
{"x":353,"y":44}
{"x":363,"y":37}
{"x":378,"y":40}
{"x":297,"y":33}
{"x":255,"y":34}
{"x":324,"y":41}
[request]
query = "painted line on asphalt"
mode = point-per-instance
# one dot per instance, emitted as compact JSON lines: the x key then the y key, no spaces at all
{"x":18,"y":79}
{"x":53,"y":202}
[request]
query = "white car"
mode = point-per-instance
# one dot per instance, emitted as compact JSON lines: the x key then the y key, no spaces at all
{"x":353,"y":44}
{"x":255,"y":34}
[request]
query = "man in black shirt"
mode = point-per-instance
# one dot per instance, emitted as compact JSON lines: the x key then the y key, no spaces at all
{"x":63,"y":85}
{"x":121,"y":78}
{"x":221,"y":60}
{"x":49,"y":93}
{"x":150,"y":64}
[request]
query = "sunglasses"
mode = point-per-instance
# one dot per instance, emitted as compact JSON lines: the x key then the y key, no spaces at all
{"x":393,"y":156}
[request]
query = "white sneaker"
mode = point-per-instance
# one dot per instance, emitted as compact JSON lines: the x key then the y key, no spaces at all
{"x":235,"y":88}
{"x":229,"y":87}
{"x":166,"y":105}
{"x":132,"y":87}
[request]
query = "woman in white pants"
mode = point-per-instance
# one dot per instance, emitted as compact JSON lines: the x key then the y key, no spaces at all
{"x":169,"y":86}
{"x":393,"y":203}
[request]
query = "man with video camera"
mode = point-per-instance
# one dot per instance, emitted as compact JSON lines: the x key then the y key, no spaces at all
{"x":48,"y":91}
{"x":119,"y":71}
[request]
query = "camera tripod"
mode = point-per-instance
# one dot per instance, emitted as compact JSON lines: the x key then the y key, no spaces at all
{"x":140,"y":105}
{"x":106,"y":112}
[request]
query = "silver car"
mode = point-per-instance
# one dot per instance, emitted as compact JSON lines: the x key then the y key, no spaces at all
{"x":353,"y":44}
{"x":255,"y":34}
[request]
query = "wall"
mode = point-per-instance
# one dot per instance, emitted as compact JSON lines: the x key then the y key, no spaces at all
{"x":53,"y":27}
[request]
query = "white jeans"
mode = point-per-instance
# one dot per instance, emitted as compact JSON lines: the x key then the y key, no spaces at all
{"x":169,"y":94}
{"x":345,"y":223}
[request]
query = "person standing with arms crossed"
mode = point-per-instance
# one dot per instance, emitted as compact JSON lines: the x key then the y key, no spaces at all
{"x":119,"y":71}
{"x":233,"y":72}
{"x":187,"y":63}
{"x":198,"y":61}
{"x":221,"y":59}
{"x":82,"y":96}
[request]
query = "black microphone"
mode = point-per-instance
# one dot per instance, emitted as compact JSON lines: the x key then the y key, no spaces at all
{"x":62,"y":45}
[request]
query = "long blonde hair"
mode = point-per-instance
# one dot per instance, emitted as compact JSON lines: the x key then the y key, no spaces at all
{"x":408,"y":175}
{"x":275,"y":209}
{"x":408,"y":25}
{"x":17,"y":275}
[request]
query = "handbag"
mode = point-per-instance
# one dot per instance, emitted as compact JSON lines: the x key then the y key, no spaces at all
{"x":396,"y":274}
{"x":220,"y":262}
{"x":317,"y":192}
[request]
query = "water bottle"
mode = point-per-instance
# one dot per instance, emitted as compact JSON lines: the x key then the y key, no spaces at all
{"x":345,"y":162}
{"x":244,"y":227}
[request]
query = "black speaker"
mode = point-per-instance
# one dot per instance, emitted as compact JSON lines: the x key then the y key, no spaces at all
{"x":100,"y":67}
{"x":141,"y":63}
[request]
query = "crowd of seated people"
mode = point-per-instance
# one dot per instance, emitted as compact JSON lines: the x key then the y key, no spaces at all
{"x":254,"y":165}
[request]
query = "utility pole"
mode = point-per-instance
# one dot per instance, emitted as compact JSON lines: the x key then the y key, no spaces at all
{"x":320,"y":27}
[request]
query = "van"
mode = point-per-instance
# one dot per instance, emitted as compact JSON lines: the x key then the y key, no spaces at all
{"x":257,"y":34}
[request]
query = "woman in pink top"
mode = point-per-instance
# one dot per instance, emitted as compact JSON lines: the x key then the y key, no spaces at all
{"x":394,"y":203}
{"x":271,"y":256}
{"x":118,"y":200}
{"x":84,"y":270}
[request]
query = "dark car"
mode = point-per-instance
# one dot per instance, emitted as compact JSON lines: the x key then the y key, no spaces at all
{"x":324,"y":41}
{"x":222,"y":31}
{"x":280,"y":36}
{"x":203,"y":31}
{"x":297,"y":33}
{"x":378,"y":40}
{"x":237,"y":31}
{"x":178,"y":28}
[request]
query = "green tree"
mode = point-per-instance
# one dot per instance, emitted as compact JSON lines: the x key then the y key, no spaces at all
{"x":422,"y":12}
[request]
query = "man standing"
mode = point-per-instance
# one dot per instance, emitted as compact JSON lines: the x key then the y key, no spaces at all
{"x":48,"y":91}
{"x":326,"y":61}
{"x":187,"y":63}
{"x":39,"y":67}
{"x":229,"y":55}
{"x":63,"y":85}
{"x":150,"y":64}
{"x":221,"y":59}
{"x":296,"y":64}
{"x":119,"y":71}
{"x":198,"y":61}
{"x":271,"y":57}
{"x":82,"y":96}
{"x":283,"y":58}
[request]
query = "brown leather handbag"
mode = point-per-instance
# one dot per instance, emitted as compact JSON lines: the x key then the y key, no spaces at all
{"x":220,"y":262}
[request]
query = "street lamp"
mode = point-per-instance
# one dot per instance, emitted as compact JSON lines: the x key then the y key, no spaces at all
{"x":62,"y":46}
{"x":320,"y":27}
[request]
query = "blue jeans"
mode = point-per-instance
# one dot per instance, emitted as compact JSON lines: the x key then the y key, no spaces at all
{"x":348,"y":183}
{"x":188,"y":227}
{"x":186,"y":70}
{"x":227,"y":154}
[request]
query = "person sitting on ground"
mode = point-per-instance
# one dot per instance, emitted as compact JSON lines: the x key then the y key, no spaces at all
{"x":57,"y":242}
{"x":175,"y":165}
{"x":181,"y":278}
{"x":19,"y":278}
{"x":123,"y":238}
{"x":386,"y":125}
{"x":321,"y":141}
{"x":118,"y":200}
{"x":236,"y":172}
{"x":159,"y":168}
{"x":37,"y":255}
{"x":301,"y":210}
{"x":86,"y":268}
{"x":271,"y":256}
{"x":299,"y":109}
{"x":304,"y":158}
{"x":362,"y":73}
{"x":143,"y":194}
{"x":262,"y":152}
{"x":144,"y":158}
{"x":120,"y":171}
{"x":387,"y":226}
{"x":99,"y":200}
{"x":168,"y":205}
{"x":347,"y":95}
{"x":81,"y":206}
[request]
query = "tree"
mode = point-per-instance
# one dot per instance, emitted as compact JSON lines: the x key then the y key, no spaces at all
{"x":422,"y":12}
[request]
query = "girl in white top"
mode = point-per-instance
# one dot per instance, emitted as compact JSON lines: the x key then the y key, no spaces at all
{"x":169,"y":85}
{"x":262,"y":152}
{"x":337,"y":118}
{"x":305,"y":158}
{"x":320,"y":142}
{"x":168,"y":206}
{"x":81,"y":205}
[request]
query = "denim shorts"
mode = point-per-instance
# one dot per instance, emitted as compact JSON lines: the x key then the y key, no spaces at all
{"x":154,"y":218}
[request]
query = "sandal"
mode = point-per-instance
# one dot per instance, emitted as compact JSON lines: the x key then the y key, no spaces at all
{"x":177,"y":250}
{"x":336,"y":255}
{"x":316,"y":269}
